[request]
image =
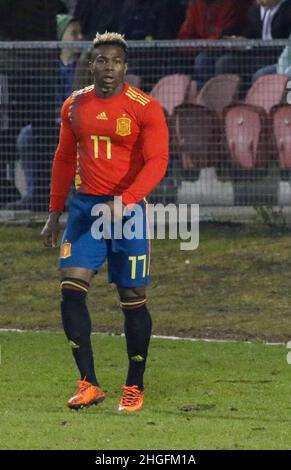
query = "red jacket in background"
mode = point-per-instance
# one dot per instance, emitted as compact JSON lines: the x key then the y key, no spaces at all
{"x":214,"y":19}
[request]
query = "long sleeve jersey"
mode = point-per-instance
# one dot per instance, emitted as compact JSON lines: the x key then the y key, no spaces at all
{"x":116,"y":146}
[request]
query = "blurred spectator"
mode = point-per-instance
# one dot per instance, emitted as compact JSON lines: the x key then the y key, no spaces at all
{"x":29,"y":20}
{"x":68,"y":29}
{"x":268,"y":19}
{"x":284,"y":63}
{"x":212,"y":19}
{"x":8,"y":191}
{"x":31,"y":75}
{"x":151,"y":19}
{"x":98,"y":16}
{"x":83,"y":76}
{"x":70,"y":6}
{"x":139,"y":19}
{"x":172,"y":15}
{"x":283,"y":66}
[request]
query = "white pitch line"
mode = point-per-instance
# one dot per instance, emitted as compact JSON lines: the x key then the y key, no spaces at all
{"x":213,"y":340}
{"x":12,"y":330}
{"x":172,"y":338}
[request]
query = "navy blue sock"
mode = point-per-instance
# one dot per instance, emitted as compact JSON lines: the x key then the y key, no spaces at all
{"x":77,"y":326}
{"x":137,"y":328}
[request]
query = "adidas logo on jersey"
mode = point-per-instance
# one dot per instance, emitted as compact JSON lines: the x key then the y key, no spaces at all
{"x":102,"y":116}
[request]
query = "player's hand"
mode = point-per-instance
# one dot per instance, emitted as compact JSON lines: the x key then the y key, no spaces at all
{"x":51,"y":230}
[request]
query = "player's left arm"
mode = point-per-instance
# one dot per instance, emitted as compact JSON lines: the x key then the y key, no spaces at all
{"x":155,"y":150}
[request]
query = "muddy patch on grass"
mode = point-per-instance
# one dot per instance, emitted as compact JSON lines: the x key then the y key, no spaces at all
{"x":196,"y":407}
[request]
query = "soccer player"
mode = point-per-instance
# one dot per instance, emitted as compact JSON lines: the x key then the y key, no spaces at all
{"x":114,"y":141}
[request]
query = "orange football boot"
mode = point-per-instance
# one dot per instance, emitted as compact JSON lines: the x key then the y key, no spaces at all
{"x":85,"y":396}
{"x":132,"y":399}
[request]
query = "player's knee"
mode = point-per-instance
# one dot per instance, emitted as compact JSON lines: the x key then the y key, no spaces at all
{"x":132,"y":298}
{"x":74,"y":290}
{"x":132,"y":302}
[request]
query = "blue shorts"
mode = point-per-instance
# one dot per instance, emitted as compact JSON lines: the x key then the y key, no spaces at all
{"x":128,"y":259}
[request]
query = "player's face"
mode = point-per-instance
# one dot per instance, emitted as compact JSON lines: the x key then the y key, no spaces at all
{"x":108,"y":67}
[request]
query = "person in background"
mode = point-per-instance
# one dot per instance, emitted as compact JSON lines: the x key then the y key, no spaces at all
{"x":97,"y":15}
{"x":267,"y":19}
{"x":172,"y":15}
{"x":283,"y":66}
{"x":151,"y":20}
{"x":212,"y":20}
{"x":31,"y":74}
{"x":139,"y":19}
{"x":70,"y":6}
{"x":68,"y":29}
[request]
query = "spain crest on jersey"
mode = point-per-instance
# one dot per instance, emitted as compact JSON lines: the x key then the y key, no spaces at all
{"x":66,"y":250}
{"x":123,"y":126}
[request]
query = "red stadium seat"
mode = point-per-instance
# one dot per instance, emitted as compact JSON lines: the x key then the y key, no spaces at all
{"x":219,"y":92}
{"x":267,"y":91}
{"x":281,"y":118}
{"x":248,"y":127}
{"x":171,"y":91}
{"x":198,"y":134}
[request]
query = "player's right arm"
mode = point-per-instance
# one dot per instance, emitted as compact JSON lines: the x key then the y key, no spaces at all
{"x":63,"y":172}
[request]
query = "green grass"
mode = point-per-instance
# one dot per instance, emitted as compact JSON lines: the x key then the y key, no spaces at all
{"x":198,"y":396}
{"x":235,"y":285}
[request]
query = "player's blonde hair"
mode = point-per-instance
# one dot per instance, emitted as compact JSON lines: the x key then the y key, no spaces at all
{"x":110,"y":38}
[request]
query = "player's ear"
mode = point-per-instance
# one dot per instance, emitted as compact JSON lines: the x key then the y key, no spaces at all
{"x":91,"y":66}
{"x":125,"y":68}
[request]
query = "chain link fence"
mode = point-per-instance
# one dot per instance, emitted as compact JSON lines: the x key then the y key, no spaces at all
{"x":226,"y":104}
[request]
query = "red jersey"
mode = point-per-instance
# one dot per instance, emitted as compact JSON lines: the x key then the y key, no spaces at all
{"x":116,"y":146}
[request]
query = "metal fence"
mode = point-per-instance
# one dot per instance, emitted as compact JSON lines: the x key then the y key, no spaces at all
{"x":226,"y":103}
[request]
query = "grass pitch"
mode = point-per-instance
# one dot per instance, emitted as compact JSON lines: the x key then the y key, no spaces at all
{"x":198,"y":396}
{"x":237,"y":284}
